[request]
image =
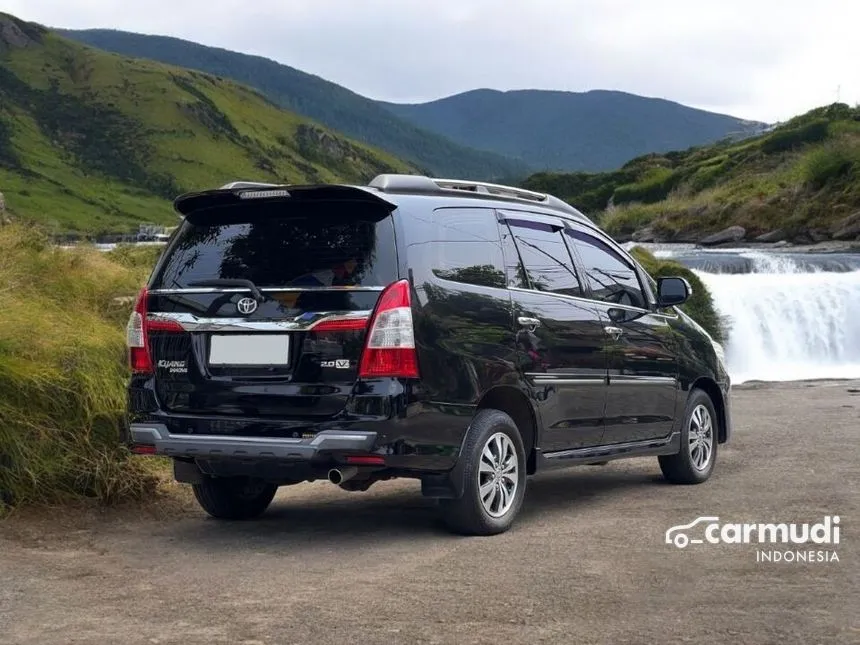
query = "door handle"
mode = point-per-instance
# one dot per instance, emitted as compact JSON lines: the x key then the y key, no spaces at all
{"x":525,"y":321}
{"x":615,"y":332}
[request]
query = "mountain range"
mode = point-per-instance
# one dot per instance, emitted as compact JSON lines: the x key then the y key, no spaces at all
{"x":99,"y":130}
{"x":95,"y":142}
{"x":482,"y":134}
{"x":589,"y":131}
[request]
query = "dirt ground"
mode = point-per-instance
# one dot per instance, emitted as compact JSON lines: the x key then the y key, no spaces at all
{"x":585,"y":563}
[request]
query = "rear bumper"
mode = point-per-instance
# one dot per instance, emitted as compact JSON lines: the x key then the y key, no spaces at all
{"x":257,"y":448}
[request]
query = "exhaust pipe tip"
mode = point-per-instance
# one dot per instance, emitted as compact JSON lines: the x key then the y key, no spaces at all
{"x":338,"y":476}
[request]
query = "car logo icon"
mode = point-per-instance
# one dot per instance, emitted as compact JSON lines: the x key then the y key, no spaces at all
{"x":246,"y":306}
{"x":676,"y":535}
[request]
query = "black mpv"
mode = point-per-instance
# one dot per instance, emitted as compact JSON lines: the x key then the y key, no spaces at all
{"x":462,"y":333}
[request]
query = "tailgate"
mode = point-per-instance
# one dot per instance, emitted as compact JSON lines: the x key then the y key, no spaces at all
{"x":264,"y":306}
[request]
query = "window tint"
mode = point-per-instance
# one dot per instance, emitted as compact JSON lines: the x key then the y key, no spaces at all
{"x":610,"y":277}
{"x":545,"y":257}
{"x":466,"y":247}
{"x":274,"y":245}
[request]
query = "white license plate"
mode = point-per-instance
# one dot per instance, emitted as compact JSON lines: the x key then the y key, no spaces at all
{"x":249,"y":349}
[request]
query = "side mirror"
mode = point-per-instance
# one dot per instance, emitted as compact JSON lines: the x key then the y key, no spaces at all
{"x":672,"y":291}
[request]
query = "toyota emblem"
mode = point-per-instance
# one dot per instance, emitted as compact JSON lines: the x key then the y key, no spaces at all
{"x":246,"y":306}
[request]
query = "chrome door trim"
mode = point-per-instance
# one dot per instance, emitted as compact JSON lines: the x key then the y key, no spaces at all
{"x":542,"y":378}
{"x":631,"y":379}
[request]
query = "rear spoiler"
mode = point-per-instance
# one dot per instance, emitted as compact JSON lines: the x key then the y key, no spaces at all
{"x":239,"y":192}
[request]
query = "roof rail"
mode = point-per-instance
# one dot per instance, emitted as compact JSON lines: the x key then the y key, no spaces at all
{"x":392,"y":183}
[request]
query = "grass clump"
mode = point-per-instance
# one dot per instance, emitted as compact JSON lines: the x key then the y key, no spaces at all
{"x":63,"y":373}
{"x":700,"y":307}
{"x":831,"y":162}
{"x":654,"y":186}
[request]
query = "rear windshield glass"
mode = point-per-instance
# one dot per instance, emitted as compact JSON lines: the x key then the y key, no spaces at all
{"x":274,"y":245}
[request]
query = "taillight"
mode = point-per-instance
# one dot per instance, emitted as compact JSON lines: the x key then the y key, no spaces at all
{"x":340,"y":324}
{"x":390,"y":346}
{"x":137,"y":335}
{"x":138,"y":350}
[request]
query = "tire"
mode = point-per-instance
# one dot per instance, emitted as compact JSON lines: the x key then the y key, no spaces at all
{"x":695,"y":462}
{"x":234,"y":498}
{"x":489,"y":432}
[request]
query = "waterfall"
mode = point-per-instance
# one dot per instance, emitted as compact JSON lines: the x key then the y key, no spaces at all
{"x":791,"y":317}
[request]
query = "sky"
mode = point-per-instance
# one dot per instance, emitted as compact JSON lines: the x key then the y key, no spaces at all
{"x":766,"y":60}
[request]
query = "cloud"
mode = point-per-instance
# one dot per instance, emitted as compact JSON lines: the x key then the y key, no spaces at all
{"x":763,"y":59}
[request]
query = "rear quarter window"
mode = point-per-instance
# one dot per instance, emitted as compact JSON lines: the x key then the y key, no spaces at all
{"x":466,"y":247}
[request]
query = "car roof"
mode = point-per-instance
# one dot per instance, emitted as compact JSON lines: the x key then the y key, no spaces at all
{"x":392,"y":190}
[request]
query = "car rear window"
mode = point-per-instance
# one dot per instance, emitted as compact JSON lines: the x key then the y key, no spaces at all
{"x":278,"y":245}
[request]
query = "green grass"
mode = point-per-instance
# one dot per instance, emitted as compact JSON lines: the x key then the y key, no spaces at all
{"x":803,"y":176}
{"x":94,"y":142}
{"x":832,"y":162}
{"x":63,"y":371}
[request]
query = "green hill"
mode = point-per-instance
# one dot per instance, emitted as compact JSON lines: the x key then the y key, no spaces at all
{"x":95,"y":142}
{"x":799,"y":182}
{"x":588,"y":131}
{"x":314,"y":97}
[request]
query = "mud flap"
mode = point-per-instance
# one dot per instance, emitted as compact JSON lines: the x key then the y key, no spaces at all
{"x":186,"y":472}
{"x":451,"y":484}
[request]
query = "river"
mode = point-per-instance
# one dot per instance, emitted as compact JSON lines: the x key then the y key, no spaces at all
{"x":792,"y":316}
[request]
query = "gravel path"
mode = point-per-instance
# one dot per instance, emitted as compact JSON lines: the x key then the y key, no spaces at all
{"x":585,"y":563}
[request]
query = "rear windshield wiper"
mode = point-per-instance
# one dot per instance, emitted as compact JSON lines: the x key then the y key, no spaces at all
{"x":229,"y":282}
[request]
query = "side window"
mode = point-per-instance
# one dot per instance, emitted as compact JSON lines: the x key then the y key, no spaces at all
{"x":466,"y":247}
{"x":546,"y":262}
{"x":610,"y":277}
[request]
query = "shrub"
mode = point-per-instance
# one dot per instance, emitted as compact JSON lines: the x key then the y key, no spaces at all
{"x":628,"y":218}
{"x":830,"y":162}
{"x":700,"y":307}
{"x":785,"y":139}
{"x":62,"y":373}
{"x":654,"y":186}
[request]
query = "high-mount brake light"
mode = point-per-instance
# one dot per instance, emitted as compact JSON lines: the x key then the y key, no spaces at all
{"x":137,"y":334}
{"x":389,"y":350}
{"x":262,"y":194}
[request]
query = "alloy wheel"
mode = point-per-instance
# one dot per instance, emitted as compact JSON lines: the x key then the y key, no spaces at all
{"x":701,"y":437}
{"x":498,"y":475}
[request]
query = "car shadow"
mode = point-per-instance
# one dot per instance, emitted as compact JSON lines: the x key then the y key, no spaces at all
{"x":348,"y":520}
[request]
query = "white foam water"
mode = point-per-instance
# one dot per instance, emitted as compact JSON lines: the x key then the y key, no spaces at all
{"x":788,"y":322}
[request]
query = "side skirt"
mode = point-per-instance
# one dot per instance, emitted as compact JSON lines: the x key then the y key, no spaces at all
{"x":649,"y":448}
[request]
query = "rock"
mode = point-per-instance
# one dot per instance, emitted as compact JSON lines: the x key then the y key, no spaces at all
{"x":643,"y":235}
{"x":685,"y":237}
{"x":730,"y":234}
{"x":848,"y":228}
{"x":818,"y":235}
{"x":848,"y":233}
{"x":782,"y":244}
{"x":773,"y":236}
{"x":16,"y":34}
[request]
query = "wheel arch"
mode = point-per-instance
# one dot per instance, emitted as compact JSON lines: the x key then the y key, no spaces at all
{"x":710,"y":387}
{"x":513,"y":402}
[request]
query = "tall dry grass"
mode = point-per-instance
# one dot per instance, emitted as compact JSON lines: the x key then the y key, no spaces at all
{"x":63,"y":371}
